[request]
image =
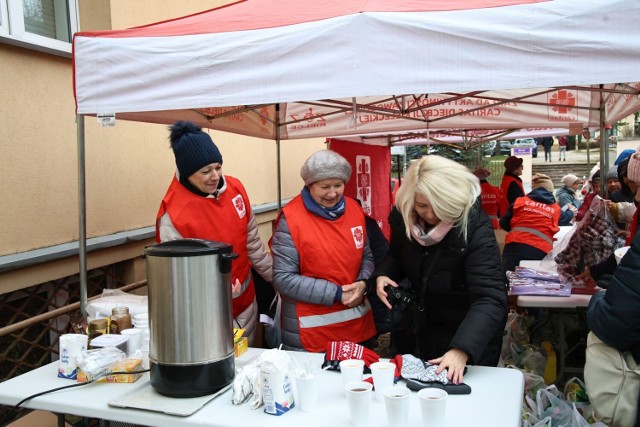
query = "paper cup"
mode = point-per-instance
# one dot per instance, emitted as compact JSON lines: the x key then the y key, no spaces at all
{"x":141,"y":318}
{"x":307,"y":386}
{"x":134,"y":340}
{"x":382,"y":373}
{"x":359,"y":402}
{"x":433,"y":405}
{"x":351,"y":370}
{"x":71,"y":346}
{"x":397,"y":401}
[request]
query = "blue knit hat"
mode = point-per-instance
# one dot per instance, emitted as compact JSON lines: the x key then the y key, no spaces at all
{"x":624,"y":155}
{"x":192,"y":148}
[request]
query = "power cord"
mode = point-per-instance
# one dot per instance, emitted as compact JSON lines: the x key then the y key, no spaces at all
{"x":7,"y":419}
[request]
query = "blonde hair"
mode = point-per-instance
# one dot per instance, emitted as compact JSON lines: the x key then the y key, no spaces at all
{"x":449,"y":186}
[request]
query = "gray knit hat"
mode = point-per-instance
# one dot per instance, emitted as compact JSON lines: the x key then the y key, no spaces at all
{"x":613,"y":173}
{"x":325,"y":164}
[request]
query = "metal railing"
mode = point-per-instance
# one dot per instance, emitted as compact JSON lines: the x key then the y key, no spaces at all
{"x":35,"y":317}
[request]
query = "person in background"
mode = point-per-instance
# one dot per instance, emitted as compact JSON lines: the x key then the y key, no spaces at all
{"x":511,"y":187}
{"x":322,"y":260}
{"x":612,"y":314}
{"x":612,"y":181}
{"x":594,"y":184}
{"x":203,"y":203}
{"x":531,"y":223}
{"x":490,"y":196}
{"x":562,"y":145}
{"x":445,"y":246}
{"x":546,"y":143}
{"x":566,"y":195}
{"x":625,"y":193}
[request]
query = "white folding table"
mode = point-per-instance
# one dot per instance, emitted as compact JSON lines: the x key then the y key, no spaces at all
{"x":572,"y":302}
{"x":495,"y":400}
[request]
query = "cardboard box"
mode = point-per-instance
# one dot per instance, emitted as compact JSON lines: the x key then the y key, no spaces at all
{"x":127,"y":365}
{"x":240,"y":346}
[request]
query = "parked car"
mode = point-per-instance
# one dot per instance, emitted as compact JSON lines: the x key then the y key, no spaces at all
{"x":527,"y":142}
{"x":447,"y":151}
{"x":504,"y":147}
{"x":490,"y":149}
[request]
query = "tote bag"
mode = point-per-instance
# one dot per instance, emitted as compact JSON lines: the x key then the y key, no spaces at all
{"x":612,"y":378}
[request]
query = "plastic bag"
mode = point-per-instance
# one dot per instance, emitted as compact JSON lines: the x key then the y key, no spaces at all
{"x":272,"y":327}
{"x":110,"y":298}
{"x":95,"y":363}
{"x":514,"y":338}
{"x":552,"y":407}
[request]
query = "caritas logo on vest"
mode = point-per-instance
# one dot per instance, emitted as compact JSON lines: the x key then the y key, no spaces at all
{"x":358,"y":236}
{"x":539,"y":208}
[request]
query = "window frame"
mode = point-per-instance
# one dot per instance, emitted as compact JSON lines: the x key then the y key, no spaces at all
{"x":12,"y":30}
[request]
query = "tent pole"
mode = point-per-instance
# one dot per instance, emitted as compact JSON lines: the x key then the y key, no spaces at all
{"x":82,"y":216}
{"x":279,"y":171}
{"x":604,"y":148}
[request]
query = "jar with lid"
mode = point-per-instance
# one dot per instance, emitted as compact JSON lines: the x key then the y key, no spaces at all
{"x":120,"y":319}
{"x":97,"y":327}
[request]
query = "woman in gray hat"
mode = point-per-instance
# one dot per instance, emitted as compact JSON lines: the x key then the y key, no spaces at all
{"x":322,"y":259}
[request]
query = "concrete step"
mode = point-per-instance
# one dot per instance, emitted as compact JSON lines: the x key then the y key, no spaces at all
{"x":556,"y":170}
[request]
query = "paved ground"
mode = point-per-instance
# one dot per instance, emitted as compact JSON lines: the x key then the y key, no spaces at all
{"x":581,"y":156}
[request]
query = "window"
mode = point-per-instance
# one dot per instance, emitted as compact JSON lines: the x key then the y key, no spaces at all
{"x":45,"y":25}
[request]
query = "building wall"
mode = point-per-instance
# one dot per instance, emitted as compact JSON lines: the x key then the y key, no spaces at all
{"x":128,"y":167}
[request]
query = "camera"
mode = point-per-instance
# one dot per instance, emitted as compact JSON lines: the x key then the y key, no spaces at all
{"x":400,"y":299}
{"x":399,"y":296}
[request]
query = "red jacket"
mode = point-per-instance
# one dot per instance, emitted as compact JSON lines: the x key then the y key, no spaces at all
{"x":534,"y":223}
{"x":224,"y":220}
{"x":330,"y":250}
{"x":491,"y":201}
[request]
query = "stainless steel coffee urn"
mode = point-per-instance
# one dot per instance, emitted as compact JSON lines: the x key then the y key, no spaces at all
{"x":190,"y":317}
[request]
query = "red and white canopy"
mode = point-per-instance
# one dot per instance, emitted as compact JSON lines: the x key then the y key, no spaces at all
{"x":336,"y":67}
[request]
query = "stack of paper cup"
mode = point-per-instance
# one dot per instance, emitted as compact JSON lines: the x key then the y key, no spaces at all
{"x":71,"y":346}
{"x":134,"y":341}
{"x":141,"y":321}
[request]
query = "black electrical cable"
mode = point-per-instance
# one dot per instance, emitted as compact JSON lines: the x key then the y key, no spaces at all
{"x":7,"y":418}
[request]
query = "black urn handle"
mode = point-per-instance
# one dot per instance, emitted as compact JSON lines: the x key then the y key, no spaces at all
{"x":225,"y":261}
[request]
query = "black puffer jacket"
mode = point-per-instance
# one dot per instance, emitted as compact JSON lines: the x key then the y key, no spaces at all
{"x":466,"y":300}
{"x":613,"y":314}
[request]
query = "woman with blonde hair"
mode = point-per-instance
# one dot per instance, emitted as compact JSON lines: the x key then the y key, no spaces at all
{"x":444,"y":244}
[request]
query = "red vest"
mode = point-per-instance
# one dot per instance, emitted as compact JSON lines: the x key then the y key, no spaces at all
{"x":534,"y":223}
{"x":330,"y":250}
{"x":504,"y":191}
{"x":223,"y":220}
{"x":490,"y":201}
